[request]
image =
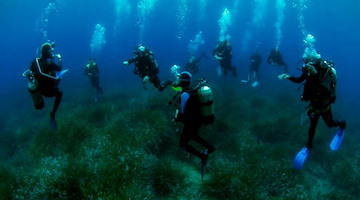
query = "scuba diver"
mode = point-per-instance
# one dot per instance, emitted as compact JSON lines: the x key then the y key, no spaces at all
{"x":92,"y":71}
{"x":44,"y":75}
{"x":255,"y":62}
{"x":146,"y":67}
{"x":195,"y":109}
{"x":223,"y":53}
{"x":193,"y":64}
{"x":319,"y":90}
{"x":275,"y":58}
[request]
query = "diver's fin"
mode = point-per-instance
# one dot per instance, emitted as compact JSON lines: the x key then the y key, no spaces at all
{"x":337,"y":139}
{"x":255,"y":84}
{"x":203,"y":164}
{"x":53,"y":124}
{"x":300,"y":158}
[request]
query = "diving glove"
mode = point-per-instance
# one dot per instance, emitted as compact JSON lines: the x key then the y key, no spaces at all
{"x":283,"y":76}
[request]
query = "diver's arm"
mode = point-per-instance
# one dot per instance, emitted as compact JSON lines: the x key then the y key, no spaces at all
{"x":55,"y":67}
{"x":154,"y":66}
{"x":96,"y":70}
{"x":132,"y":60}
{"x":179,"y":116}
{"x":184,"y":97}
{"x":214,"y":51}
{"x":33,"y":66}
{"x":230,"y":51}
{"x":86,"y":70}
{"x":299,"y":79}
{"x":218,"y":57}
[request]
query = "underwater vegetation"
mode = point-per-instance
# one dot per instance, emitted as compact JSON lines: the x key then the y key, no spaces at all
{"x":126,"y":147}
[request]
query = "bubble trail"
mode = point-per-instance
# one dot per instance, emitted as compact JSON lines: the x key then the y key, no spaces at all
{"x":224,"y":23}
{"x":194,"y":44}
{"x":280,"y":7}
{"x":98,"y":39}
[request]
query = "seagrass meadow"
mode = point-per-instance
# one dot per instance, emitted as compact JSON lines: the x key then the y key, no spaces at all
{"x":125,"y":147}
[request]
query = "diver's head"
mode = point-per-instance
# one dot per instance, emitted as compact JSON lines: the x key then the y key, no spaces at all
{"x":310,"y":68}
{"x":185,"y":79}
{"x":275,"y":50}
{"x":141,"y":48}
{"x":47,"y":50}
{"x":92,"y":62}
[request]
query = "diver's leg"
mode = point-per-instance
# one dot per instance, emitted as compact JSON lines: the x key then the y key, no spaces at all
{"x":58,"y":98}
{"x":257,"y":74}
{"x":93,"y":82}
{"x":155,"y":81}
{"x":204,"y":143}
{"x":314,"y":118}
{"x":330,"y":122}
{"x":160,"y":86}
{"x":97,"y":86}
{"x":186,"y":135}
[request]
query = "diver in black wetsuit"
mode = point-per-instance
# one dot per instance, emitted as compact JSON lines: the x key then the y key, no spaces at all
{"x":275,"y":58}
{"x":319,"y":89}
{"x":44,"y":79}
{"x":146,"y":67}
{"x":92,"y":71}
{"x":255,"y":62}
{"x":189,"y":114}
{"x":223,"y":53}
{"x":192,"y":65}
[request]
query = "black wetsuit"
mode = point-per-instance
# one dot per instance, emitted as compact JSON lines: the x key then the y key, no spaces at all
{"x":48,"y":86}
{"x":275,"y":58}
{"x":145,"y":65}
{"x":224,"y":52}
{"x":92,"y":71}
{"x":320,"y":105}
{"x":192,"y":66}
{"x":255,"y":60}
{"x":189,"y":115}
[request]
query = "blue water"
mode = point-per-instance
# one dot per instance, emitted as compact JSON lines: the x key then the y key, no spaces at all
{"x":71,"y":24}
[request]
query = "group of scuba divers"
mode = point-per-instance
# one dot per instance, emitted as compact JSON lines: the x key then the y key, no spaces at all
{"x":194,"y":99}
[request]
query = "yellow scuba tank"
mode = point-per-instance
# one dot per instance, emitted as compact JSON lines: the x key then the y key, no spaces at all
{"x":206,"y":104}
{"x":33,"y":87}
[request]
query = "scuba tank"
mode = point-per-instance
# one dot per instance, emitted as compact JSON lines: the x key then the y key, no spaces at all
{"x":202,"y":93}
{"x":33,"y":88}
{"x":206,"y":104}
